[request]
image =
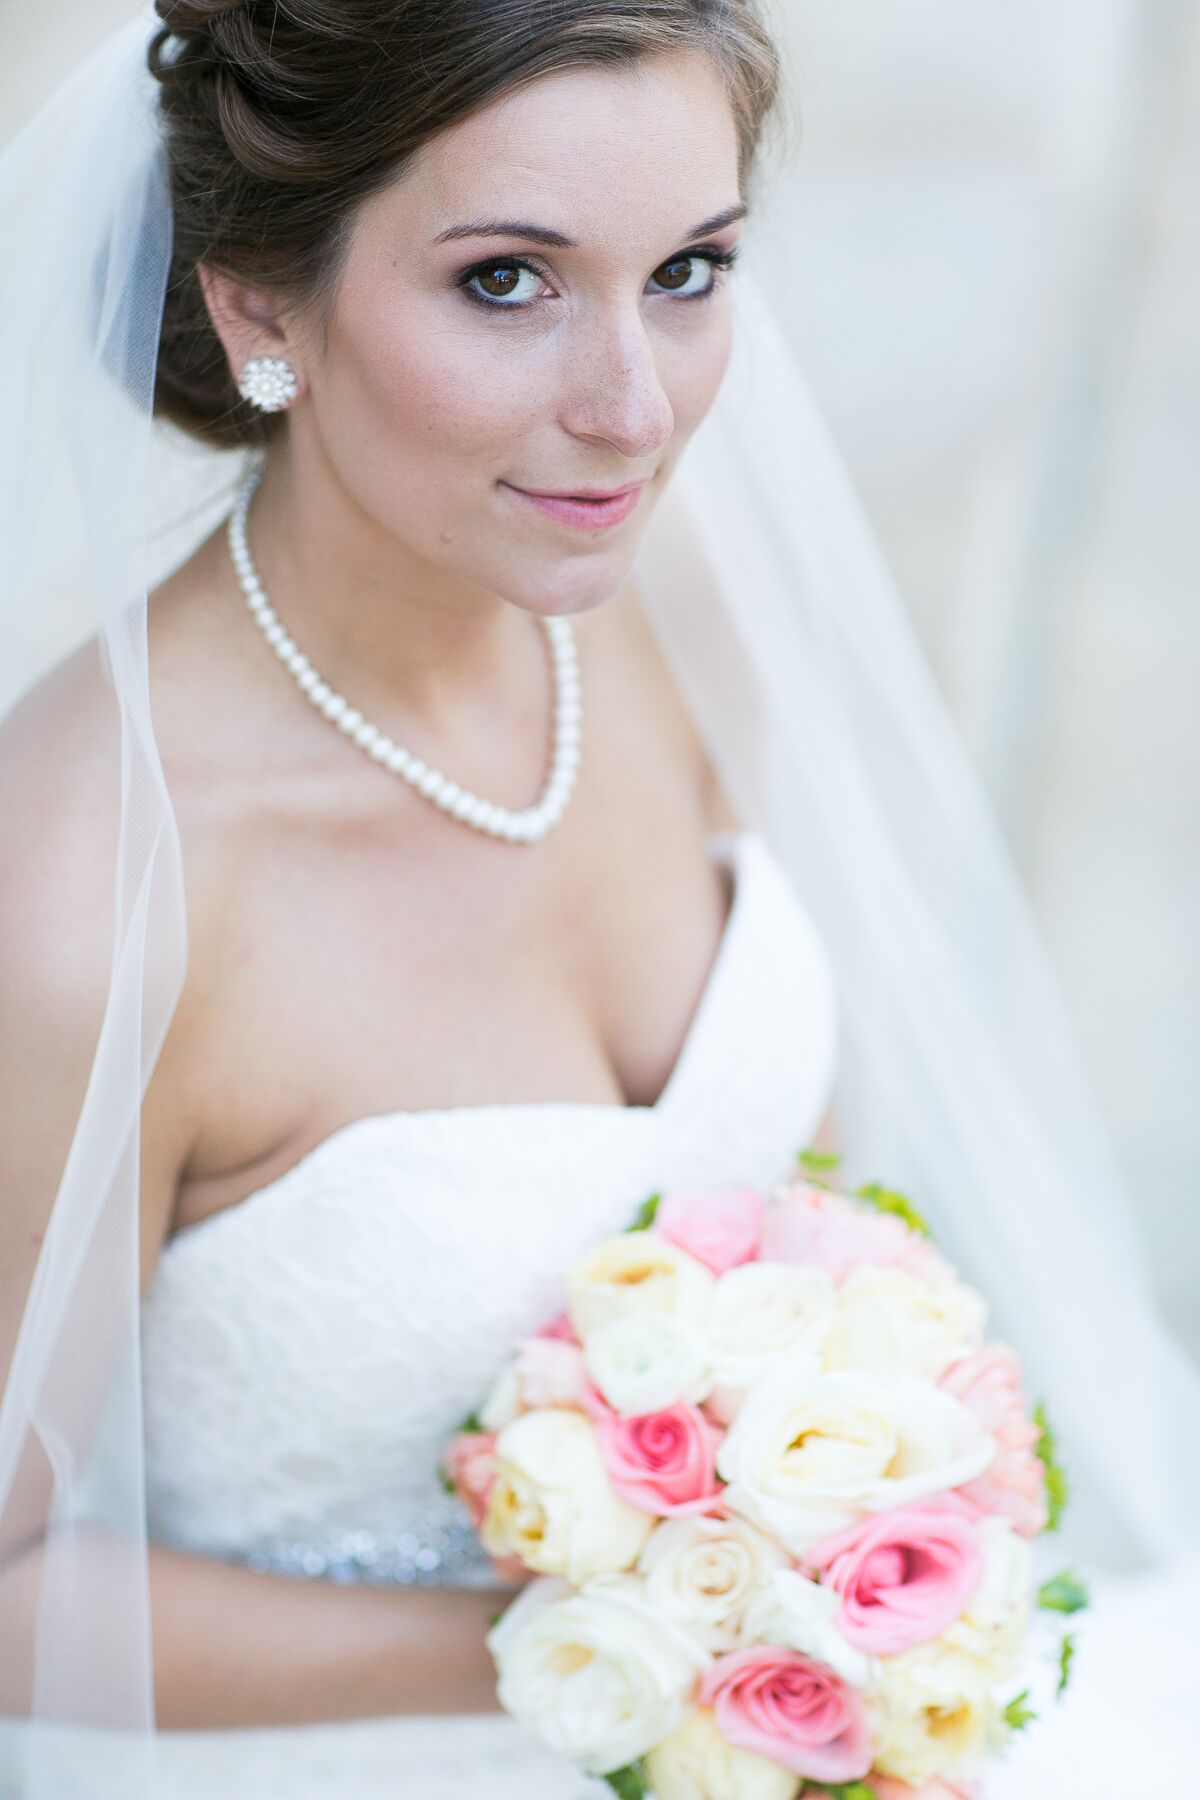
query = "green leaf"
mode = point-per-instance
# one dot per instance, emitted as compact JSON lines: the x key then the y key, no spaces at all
{"x":889,"y":1200}
{"x":645,"y":1214}
{"x":629,"y":1782}
{"x":1063,"y":1593}
{"x":446,"y":1482}
{"x":813,"y":1160}
{"x":818,"y":1159}
{"x":1066,"y":1657}
{"x":1058,"y":1488}
{"x":1017,"y":1715}
{"x":472,"y":1422}
{"x":855,"y":1790}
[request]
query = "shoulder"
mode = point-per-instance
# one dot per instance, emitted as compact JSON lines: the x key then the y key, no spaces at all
{"x":61,"y":778}
{"x":60,"y":786}
{"x":60,"y":810}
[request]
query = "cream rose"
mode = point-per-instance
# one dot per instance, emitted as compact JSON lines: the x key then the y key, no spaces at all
{"x":701,"y":1573}
{"x":889,"y":1319}
{"x":993,"y":1626}
{"x":596,"y":1675}
{"x":544,"y":1372}
{"x":636,"y":1272}
{"x":761,"y":1311}
{"x":809,"y":1454}
{"x":697,"y":1763}
{"x":503,"y":1403}
{"x":932,"y":1714}
{"x":802,"y":1615}
{"x":552,"y":1503}
{"x":647,"y":1361}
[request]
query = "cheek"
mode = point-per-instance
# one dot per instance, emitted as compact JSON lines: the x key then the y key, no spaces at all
{"x":410,"y":404}
{"x":421,"y":415}
{"x":693,"y":374}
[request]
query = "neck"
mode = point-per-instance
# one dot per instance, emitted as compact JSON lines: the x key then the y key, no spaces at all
{"x":402,"y":637}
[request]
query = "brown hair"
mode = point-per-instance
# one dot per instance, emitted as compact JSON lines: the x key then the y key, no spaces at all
{"x":282,"y":116}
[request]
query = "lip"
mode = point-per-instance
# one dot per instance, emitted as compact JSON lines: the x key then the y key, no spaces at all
{"x":583,"y":493}
{"x":590,"y":509}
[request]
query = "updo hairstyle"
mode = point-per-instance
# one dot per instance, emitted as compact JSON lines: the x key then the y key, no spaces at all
{"x":282,"y":116}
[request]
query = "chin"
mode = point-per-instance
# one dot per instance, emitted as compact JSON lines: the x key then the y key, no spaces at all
{"x":574,"y":594}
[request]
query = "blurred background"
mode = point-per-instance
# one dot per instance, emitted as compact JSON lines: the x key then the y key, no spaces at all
{"x":989,"y":233}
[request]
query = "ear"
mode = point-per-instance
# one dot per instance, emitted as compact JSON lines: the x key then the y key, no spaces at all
{"x":248,"y":323}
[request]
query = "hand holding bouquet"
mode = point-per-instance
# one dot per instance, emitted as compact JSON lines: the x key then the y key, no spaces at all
{"x":780,"y":1491}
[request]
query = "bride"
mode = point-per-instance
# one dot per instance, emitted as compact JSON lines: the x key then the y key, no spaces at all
{"x":496,"y":819}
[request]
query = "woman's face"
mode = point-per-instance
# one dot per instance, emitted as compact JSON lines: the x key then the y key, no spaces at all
{"x":468,"y":357}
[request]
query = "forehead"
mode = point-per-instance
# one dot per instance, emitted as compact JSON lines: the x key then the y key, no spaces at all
{"x":599,"y":153}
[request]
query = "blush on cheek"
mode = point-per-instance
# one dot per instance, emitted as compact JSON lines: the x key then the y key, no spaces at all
{"x":419,"y":421}
{"x":423,"y":415}
{"x":694,"y":374}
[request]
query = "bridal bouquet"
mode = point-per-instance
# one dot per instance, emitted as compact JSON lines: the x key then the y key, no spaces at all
{"x":780,"y":1492}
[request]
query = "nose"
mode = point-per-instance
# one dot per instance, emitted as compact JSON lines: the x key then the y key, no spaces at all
{"x":616,"y":393}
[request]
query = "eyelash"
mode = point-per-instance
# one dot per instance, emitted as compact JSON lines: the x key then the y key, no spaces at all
{"x":722,"y":261}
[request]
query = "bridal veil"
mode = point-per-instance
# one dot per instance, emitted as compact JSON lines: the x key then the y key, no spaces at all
{"x":958,"y":1078}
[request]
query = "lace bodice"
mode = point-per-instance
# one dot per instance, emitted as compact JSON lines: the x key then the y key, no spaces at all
{"x":307,"y":1352}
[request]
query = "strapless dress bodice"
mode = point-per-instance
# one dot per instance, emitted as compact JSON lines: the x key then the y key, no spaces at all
{"x":307,"y":1351}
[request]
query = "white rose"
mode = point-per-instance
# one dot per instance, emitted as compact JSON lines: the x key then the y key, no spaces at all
{"x":993,"y":1626}
{"x":646,"y":1361}
{"x":595,"y":1674}
{"x":702,"y":1572}
{"x":503,"y":1403}
{"x":887,"y":1319}
{"x":760,"y":1311}
{"x":802,"y":1615}
{"x":634,"y":1273}
{"x":697,"y":1763}
{"x":552,"y":1503}
{"x":931,"y":1714}
{"x":809,"y":1454}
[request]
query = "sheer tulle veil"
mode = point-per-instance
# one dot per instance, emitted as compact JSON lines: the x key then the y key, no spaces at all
{"x":958,"y":1080}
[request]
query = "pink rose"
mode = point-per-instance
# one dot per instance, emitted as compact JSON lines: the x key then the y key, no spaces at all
{"x":720,"y":1229}
{"x":887,"y":1789}
{"x":1014,"y":1484}
{"x":559,"y":1327}
{"x":663,"y":1462}
{"x":904,"y":1576}
{"x":593,"y":1403}
{"x":470,"y":1466}
{"x":550,"y":1372}
{"x":810,"y":1225}
{"x":791,"y":1709}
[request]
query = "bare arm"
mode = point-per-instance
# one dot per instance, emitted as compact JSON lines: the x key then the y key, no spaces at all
{"x":231,"y":1647}
{"x":236,"y":1648}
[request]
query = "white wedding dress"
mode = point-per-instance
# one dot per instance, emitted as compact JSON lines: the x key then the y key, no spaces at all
{"x":308,"y":1351}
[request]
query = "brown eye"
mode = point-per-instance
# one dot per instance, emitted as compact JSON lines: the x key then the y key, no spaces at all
{"x":694,"y":275}
{"x":500,"y":280}
{"x":498,"y":284}
{"x":677,"y":271}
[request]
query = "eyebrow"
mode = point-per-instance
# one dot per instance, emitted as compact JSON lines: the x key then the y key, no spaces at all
{"x":541,"y":234}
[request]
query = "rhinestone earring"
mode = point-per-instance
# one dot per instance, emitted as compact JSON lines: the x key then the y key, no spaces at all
{"x":270,"y":383}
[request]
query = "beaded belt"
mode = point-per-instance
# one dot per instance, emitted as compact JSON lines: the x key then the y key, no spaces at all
{"x":434,"y":1549}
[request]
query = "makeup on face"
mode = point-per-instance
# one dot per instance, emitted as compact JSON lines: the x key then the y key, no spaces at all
{"x":584,"y":511}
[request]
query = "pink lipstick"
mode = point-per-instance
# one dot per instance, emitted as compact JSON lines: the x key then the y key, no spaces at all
{"x":590,"y":508}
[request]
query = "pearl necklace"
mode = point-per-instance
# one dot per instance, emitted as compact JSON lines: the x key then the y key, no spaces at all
{"x":528,"y":826}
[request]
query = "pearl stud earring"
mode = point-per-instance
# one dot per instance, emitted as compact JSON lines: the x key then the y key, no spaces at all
{"x":269,"y":382}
